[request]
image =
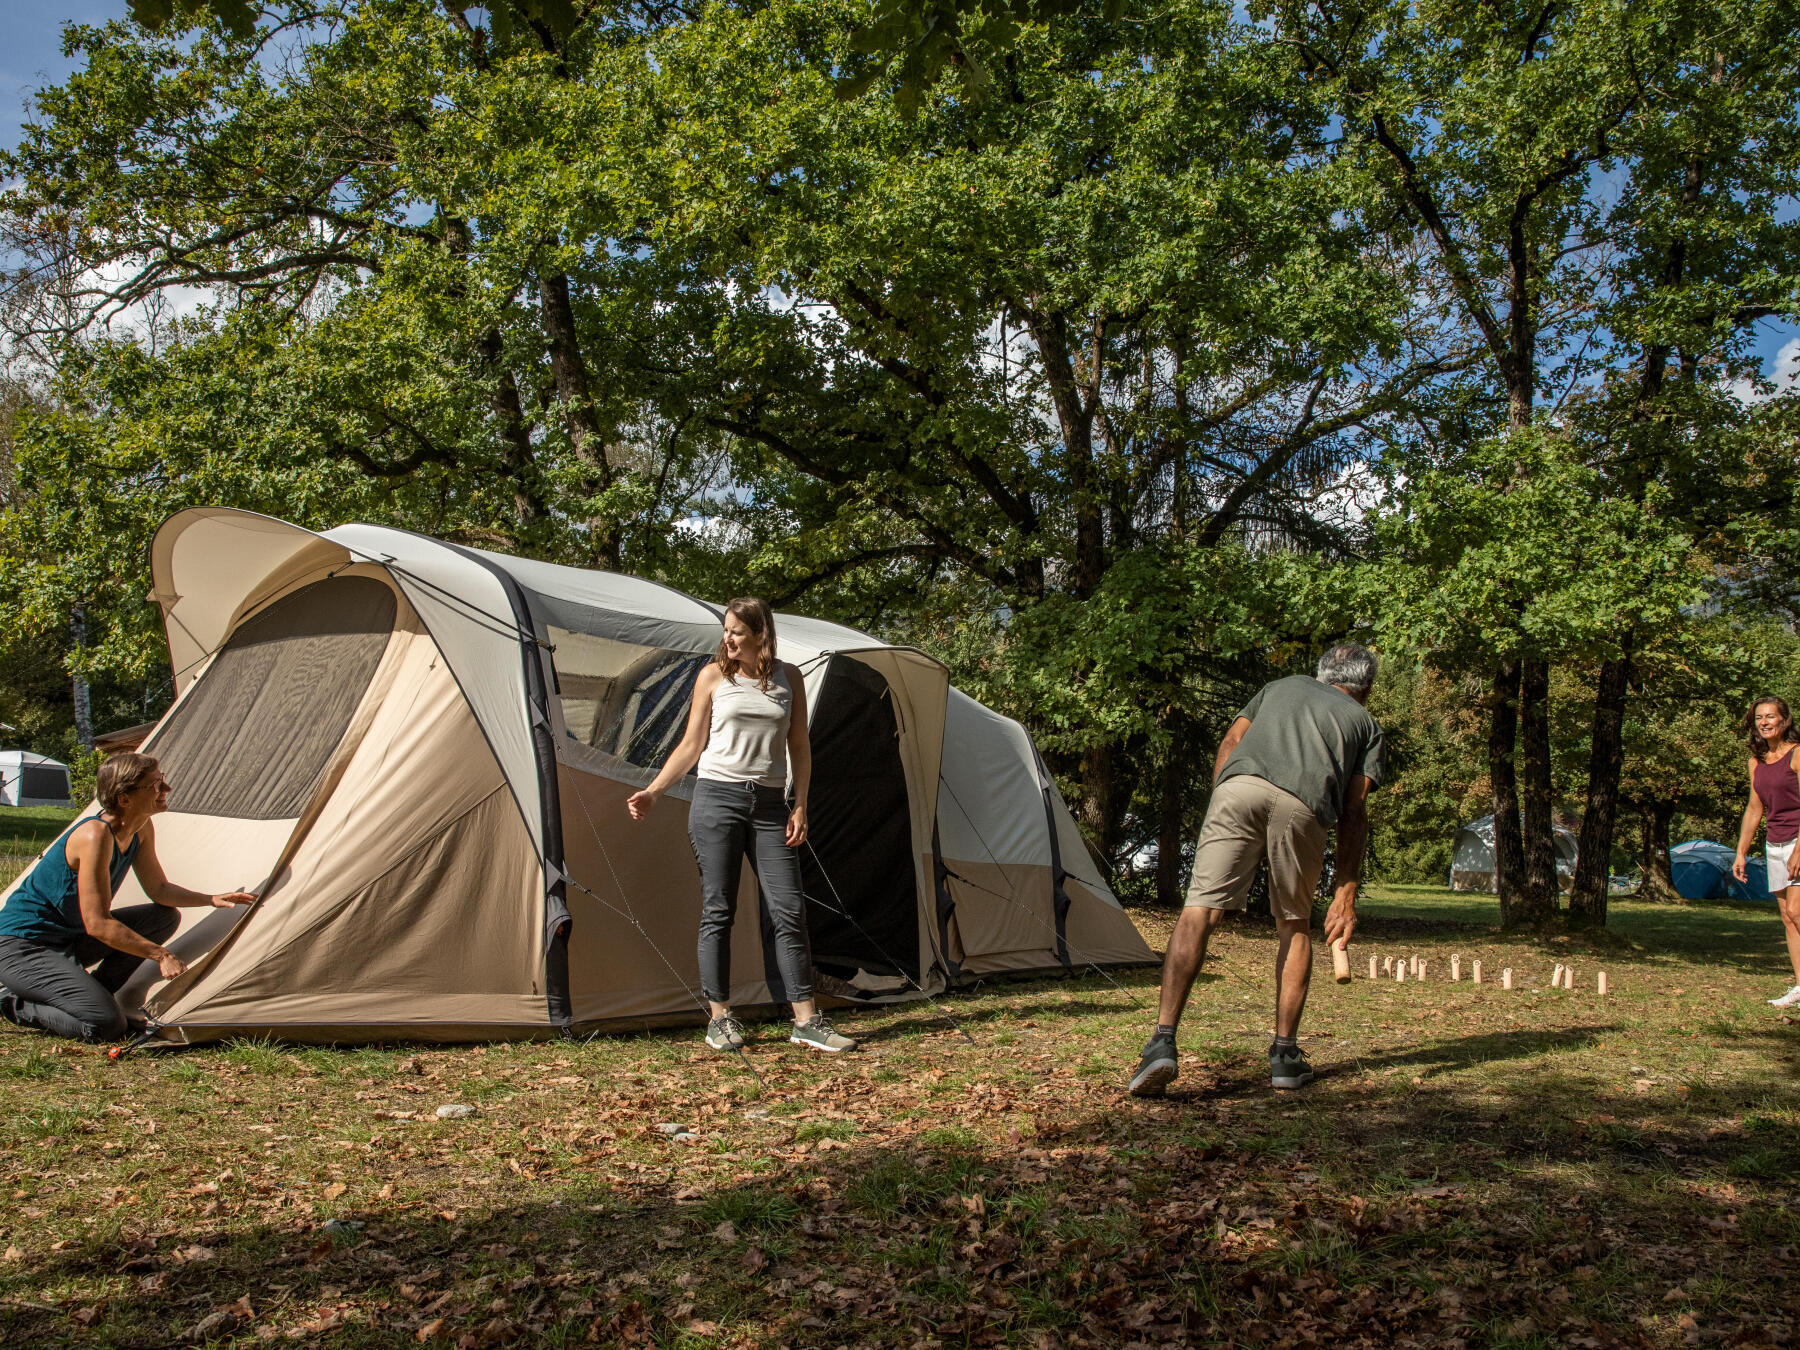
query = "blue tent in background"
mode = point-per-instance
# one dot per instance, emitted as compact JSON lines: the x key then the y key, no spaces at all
{"x":1701,"y":870}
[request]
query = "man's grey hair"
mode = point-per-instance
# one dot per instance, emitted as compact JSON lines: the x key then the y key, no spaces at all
{"x":1349,"y":665}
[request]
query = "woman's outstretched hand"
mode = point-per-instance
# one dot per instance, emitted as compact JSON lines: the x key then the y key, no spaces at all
{"x":639,"y":803}
{"x":796,"y":827}
{"x":232,"y":899}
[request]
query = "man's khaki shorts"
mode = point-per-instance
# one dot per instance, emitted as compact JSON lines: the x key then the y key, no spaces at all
{"x":1250,"y":819}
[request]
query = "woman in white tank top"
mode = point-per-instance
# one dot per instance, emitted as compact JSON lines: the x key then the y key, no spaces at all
{"x":746,"y":730}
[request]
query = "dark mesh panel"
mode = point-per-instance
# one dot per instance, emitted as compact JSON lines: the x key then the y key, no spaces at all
{"x":860,"y":826}
{"x":254,"y":735}
{"x":40,"y":780}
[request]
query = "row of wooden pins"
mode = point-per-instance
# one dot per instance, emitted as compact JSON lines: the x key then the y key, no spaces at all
{"x":1563,"y":977}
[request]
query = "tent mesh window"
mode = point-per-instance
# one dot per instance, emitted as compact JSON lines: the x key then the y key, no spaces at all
{"x":627,"y":701}
{"x":862,"y":907}
{"x":252,"y":738}
{"x":41,"y":780}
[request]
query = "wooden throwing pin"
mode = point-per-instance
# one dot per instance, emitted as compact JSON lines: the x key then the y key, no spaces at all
{"x":1340,"y":962}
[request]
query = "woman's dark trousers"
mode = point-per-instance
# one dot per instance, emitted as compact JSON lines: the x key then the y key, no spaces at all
{"x":726,"y":823}
{"x":50,"y":987}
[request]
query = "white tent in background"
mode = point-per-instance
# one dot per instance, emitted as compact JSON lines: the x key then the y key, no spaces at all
{"x":418,"y":754}
{"x":32,"y":780}
{"x":1472,"y":857}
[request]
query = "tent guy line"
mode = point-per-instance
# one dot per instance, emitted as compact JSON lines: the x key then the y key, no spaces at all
{"x":630,"y":916}
{"x":999,"y":867}
{"x":843,"y":912}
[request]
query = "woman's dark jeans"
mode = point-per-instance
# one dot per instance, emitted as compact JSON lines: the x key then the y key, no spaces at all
{"x":726,"y":823}
{"x":50,"y":988}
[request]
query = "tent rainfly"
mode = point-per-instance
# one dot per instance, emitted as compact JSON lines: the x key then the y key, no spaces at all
{"x":417,"y":755}
{"x":1472,"y":857}
{"x":32,"y":780}
{"x":1700,"y":869}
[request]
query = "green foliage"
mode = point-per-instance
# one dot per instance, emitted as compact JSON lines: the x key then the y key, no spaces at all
{"x":84,"y":770}
{"x":1080,"y":368}
{"x":1435,"y":741}
{"x":1523,"y":550}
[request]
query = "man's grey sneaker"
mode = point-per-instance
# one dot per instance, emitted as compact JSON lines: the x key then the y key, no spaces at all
{"x":819,"y":1034}
{"x":1157,"y":1069}
{"x":725,"y":1033}
{"x":1289,"y":1067}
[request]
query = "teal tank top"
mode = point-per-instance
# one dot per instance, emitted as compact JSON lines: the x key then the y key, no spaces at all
{"x":47,"y":906}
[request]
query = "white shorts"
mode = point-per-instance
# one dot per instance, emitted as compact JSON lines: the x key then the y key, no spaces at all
{"x":1778,"y":857}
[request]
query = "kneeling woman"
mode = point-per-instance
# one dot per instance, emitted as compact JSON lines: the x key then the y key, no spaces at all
{"x":746,"y":726}
{"x":60,"y":921}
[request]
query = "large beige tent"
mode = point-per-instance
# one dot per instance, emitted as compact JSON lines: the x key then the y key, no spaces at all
{"x":417,"y":755}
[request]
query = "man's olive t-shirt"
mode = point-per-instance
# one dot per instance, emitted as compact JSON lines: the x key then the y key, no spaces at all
{"x":1310,"y":739}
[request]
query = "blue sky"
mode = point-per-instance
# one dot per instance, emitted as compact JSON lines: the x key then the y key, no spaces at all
{"x":31,"y":57}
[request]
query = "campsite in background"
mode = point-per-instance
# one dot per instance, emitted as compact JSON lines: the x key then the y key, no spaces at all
{"x":390,"y":391}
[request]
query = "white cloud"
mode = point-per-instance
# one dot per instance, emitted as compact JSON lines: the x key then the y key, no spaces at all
{"x":1785,"y":378}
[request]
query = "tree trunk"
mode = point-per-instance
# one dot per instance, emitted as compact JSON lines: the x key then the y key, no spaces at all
{"x":1171,"y":824}
{"x":1599,"y":818}
{"x":517,"y":455}
{"x":84,"y":717}
{"x":575,"y":394}
{"x":1099,"y":773}
{"x":1654,"y":840}
{"x":1538,"y":895}
{"x":1503,"y":734}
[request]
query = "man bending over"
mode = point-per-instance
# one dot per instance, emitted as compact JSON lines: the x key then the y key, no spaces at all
{"x":1302,"y":757}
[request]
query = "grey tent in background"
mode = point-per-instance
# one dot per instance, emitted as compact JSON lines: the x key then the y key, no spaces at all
{"x":1472,"y":858}
{"x":32,"y":780}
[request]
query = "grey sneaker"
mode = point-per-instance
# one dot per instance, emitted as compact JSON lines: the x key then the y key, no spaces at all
{"x":1156,"y":1070}
{"x":819,"y":1034}
{"x":1289,"y":1067}
{"x":725,"y":1033}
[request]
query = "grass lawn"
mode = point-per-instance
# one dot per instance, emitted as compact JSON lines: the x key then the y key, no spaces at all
{"x":25,"y":831}
{"x":1473,"y":1167}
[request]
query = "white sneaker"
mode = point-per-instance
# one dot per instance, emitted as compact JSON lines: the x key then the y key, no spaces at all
{"x":1788,"y":999}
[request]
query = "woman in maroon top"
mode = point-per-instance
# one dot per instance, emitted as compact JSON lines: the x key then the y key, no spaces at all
{"x":1775,"y":793}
